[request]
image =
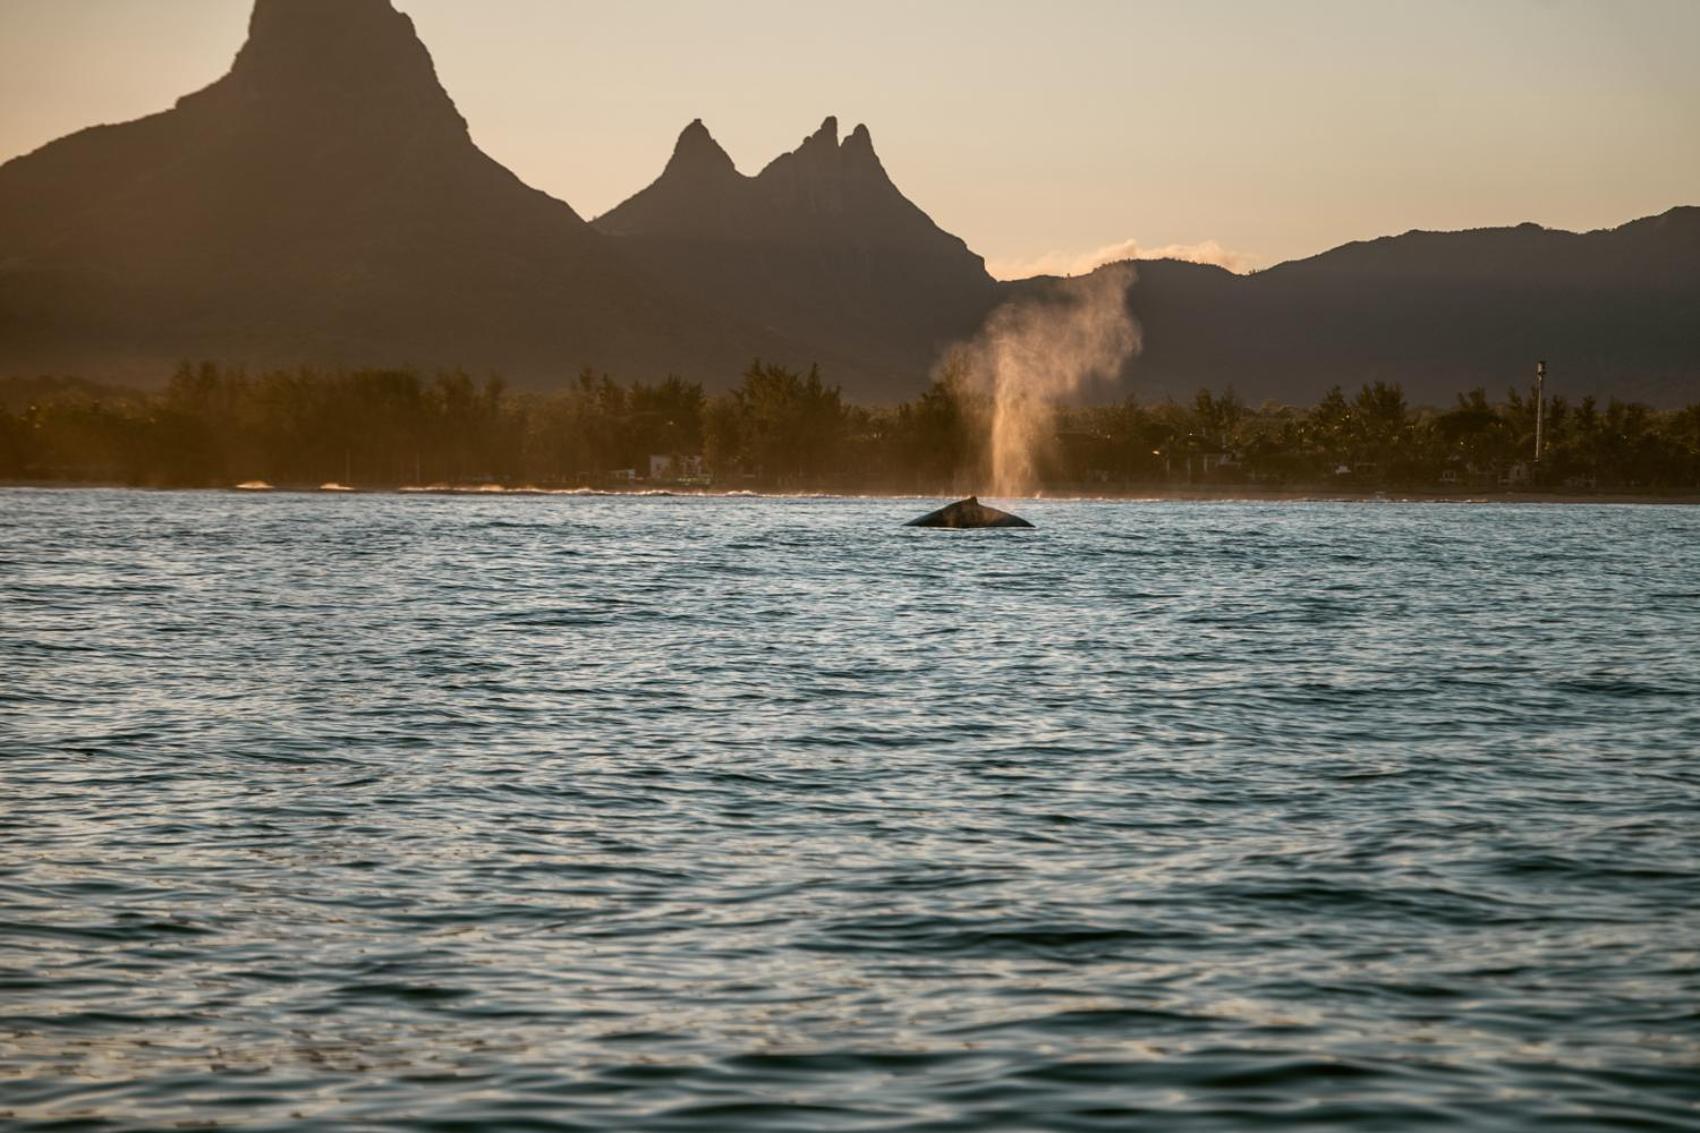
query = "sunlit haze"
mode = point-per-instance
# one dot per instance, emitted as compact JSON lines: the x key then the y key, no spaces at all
{"x":1048,"y":136}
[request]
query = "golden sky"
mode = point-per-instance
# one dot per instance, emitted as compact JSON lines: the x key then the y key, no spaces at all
{"x":1045,"y":134}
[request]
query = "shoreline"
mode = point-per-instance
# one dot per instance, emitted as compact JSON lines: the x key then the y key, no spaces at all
{"x":1223,"y":494}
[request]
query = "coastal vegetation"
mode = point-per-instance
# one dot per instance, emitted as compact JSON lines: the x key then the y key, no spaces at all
{"x":782,"y":430}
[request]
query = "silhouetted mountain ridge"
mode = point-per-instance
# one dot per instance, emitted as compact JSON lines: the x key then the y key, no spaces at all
{"x":1525,"y":252}
{"x":1439,"y":312}
{"x":820,"y":245}
{"x":324,"y":202}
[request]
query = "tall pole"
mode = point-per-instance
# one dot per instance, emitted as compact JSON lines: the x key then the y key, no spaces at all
{"x":1540,"y":407}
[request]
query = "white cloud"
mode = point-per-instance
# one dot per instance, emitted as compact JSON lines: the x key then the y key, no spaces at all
{"x":1208,"y":252}
{"x":1081,"y":263}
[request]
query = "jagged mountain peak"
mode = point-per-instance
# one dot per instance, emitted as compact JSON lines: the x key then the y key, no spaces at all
{"x":824,"y":138}
{"x":825,"y":190}
{"x":699,"y":162}
{"x":858,"y":156}
{"x":822,"y":159}
{"x":696,"y":153}
{"x":818,"y":154}
{"x":820,"y":245}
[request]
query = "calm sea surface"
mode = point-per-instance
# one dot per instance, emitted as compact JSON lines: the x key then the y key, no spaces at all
{"x":525,"y":813}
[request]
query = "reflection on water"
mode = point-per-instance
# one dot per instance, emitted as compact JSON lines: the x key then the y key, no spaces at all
{"x":588,"y":813}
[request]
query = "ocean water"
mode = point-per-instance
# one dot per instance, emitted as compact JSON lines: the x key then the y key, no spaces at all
{"x":545,"y":813}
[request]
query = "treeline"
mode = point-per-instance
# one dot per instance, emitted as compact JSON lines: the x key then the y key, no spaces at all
{"x":783,"y":430}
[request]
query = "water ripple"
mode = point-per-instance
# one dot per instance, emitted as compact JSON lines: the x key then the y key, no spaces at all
{"x":592,"y":813}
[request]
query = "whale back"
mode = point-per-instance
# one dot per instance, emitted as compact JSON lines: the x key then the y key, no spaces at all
{"x":968,"y":513}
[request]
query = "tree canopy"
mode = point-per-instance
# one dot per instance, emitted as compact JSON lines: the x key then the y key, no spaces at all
{"x":779,"y":429}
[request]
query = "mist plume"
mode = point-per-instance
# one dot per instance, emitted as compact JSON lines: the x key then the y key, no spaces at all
{"x":1033,"y":355}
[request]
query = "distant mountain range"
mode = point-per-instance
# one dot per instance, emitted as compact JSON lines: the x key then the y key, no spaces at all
{"x":1616,"y":312}
{"x":323,"y":203}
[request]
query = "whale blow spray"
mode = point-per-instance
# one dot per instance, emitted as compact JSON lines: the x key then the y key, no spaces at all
{"x":1035,"y":353}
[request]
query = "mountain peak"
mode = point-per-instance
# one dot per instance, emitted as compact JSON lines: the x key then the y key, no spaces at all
{"x":858,"y":153}
{"x":823,"y":140}
{"x":697,"y":154}
{"x":269,"y":15}
{"x":309,"y":55}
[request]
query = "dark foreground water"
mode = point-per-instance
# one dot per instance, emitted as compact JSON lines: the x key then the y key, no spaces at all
{"x":529,"y":813}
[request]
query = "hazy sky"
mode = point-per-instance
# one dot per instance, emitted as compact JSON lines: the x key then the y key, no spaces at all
{"x":1036,"y":131}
